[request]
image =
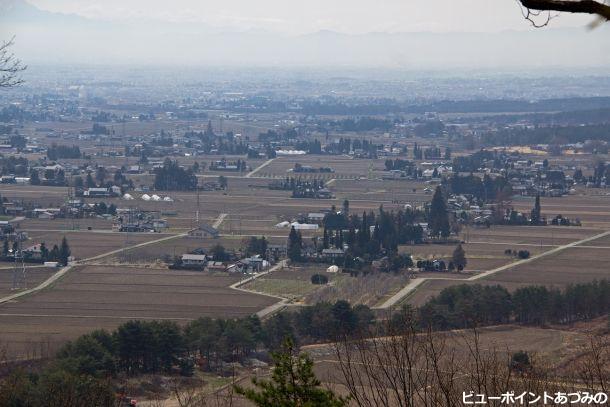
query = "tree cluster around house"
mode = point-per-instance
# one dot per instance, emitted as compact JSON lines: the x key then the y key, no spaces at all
{"x":301,"y":188}
{"x":13,"y":165}
{"x":172,"y":177}
{"x":360,"y":240}
{"x":56,"y":152}
{"x":484,"y":190}
{"x":60,"y":254}
{"x":224,"y":165}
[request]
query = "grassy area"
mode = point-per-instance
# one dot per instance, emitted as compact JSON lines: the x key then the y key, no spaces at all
{"x":213,"y":382}
{"x":369,"y":290}
{"x":292,"y":289}
{"x":294,"y":285}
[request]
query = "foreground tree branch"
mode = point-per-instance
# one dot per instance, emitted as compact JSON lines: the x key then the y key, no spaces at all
{"x":10,"y":66}
{"x":567,"y":6}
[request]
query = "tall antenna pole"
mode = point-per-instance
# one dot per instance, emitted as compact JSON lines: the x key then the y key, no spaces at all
{"x":71,"y":195}
{"x":128,"y":234}
{"x":19,"y":267}
{"x":197,"y":213}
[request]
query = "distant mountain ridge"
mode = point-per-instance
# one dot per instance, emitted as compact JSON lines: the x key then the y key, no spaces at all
{"x":46,"y":37}
{"x":20,"y":10}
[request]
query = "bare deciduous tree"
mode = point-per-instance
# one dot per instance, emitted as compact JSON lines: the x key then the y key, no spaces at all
{"x":10,"y":66}
{"x":535,"y":8}
{"x":432,"y":369}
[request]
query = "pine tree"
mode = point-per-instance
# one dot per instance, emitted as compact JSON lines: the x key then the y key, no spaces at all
{"x":90,"y":183}
{"x":64,"y":252}
{"x":223,"y":182}
{"x":44,"y":252}
{"x":326,"y":240}
{"x":535,"y":215}
{"x":209,"y":131}
{"x":54,"y":253}
{"x":293,"y":384}
{"x":459,"y":258}
{"x":34,"y":177}
{"x":438,"y":220}
{"x":346,"y":208}
{"x":294,"y":245}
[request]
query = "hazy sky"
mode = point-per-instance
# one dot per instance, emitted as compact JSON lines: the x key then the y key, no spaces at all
{"x":304,"y":16}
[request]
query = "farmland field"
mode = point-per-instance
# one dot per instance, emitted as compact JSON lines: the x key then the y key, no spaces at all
{"x":120,"y":285}
{"x":93,"y":297}
{"x":88,"y":244}
{"x":293,"y":283}
{"x":33,"y":277}
{"x":577,"y":264}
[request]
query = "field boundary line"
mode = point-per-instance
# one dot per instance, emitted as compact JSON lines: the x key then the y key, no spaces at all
{"x":39,"y":287}
{"x":219,"y":220}
{"x":416,"y":282}
{"x":135,"y":246}
{"x":69,"y":316}
{"x":260,"y":167}
{"x":273,"y":308}
{"x":66,"y":269}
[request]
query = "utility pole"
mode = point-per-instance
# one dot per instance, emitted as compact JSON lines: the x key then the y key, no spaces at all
{"x":197,"y":213}
{"x":19,"y":280}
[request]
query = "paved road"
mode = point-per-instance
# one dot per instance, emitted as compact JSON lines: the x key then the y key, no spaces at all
{"x":273,"y":308}
{"x":39,"y":287}
{"x":416,"y":282}
{"x":260,"y":167}
{"x":63,"y":271}
{"x":219,"y":221}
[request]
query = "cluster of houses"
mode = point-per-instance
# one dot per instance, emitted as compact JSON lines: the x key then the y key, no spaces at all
{"x":529,"y":178}
{"x":200,"y":261}
{"x":308,"y":169}
{"x":465,"y":208}
{"x":138,"y":221}
{"x":74,"y":208}
{"x":9,"y":231}
{"x":110,"y":192}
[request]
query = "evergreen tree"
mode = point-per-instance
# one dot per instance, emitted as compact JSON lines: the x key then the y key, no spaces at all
{"x":345,"y":208}
{"x":223,"y":182}
{"x":209,"y":131}
{"x":459,"y":258}
{"x":90,"y":183}
{"x":64,"y":252}
{"x":219,"y":253}
{"x":326,"y":240}
{"x":257,"y":246}
{"x":34,"y":177}
{"x":54,"y":254}
{"x":101,"y":174}
{"x":78,"y":182}
{"x":535,"y":218}
{"x":293,"y":384}
{"x":277,"y":330}
{"x":438,"y":220}
{"x":294,"y":245}
{"x":172,"y":177}
{"x":520,"y":361}
{"x":44,"y":252}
